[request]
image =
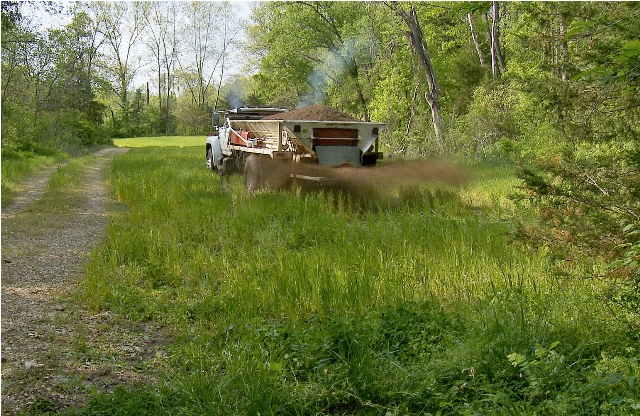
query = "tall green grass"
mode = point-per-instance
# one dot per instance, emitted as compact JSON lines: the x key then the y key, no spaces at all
{"x":64,"y":191}
{"x":162,"y":141}
{"x":17,"y":167}
{"x":284,"y":304}
{"x":291,"y":255}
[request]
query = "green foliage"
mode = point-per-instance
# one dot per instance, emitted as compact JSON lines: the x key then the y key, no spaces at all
{"x":48,"y":94}
{"x":192,"y":120}
{"x":122,"y":402}
{"x":290,"y":305}
{"x":18,"y":166}
{"x":354,"y":56}
{"x":11,"y":15}
{"x":588,"y":191}
{"x":311,"y":53}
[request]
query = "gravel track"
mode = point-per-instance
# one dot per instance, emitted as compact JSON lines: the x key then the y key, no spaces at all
{"x":54,"y":354}
{"x":34,"y":190}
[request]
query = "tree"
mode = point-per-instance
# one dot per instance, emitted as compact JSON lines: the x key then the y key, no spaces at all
{"x":474,"y":36}
{"x":497,"y":59}
{"x":11,"y":16}
{"x":19,"y":45}
{"x":162,"y":42}
{"x":70,"y":92}
{"x":121,"y":24}
{"x":282,"y":54}
{"x":49,"y":83}
{"x":589,"y":192}
{"x":314,"y":52}
{"x":207,"y":39}
{"x":417,"y":40}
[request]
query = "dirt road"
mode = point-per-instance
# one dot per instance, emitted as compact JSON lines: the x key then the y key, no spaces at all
{"x":54,"y":353}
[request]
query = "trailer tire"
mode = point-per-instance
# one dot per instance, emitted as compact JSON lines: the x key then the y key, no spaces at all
{"x":252,"y":174}
{"x":261,"y":171}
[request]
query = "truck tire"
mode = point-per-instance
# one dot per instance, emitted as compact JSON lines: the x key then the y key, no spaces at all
{"x":215,"y":157}
{"x":210,"y":164}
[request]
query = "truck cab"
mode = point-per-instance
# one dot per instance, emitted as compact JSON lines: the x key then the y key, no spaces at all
{"x":218,"y":150}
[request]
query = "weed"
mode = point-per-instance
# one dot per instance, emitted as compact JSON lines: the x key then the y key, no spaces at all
{"x":310,"y":305}
{"x":122,"y":402}
{"x":18,"y":166}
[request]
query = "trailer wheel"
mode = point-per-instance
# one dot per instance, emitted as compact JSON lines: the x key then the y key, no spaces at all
{"x":252,"y":174}
{"x":260,"y":171}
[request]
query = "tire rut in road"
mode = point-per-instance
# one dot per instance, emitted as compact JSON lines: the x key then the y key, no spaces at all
{"x":34,"y":190}
{"x":50,"y":348}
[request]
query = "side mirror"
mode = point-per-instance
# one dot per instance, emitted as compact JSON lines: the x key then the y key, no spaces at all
{"x":216,"y":119}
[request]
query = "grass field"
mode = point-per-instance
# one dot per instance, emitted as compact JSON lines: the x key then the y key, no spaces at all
{"x":18,"y":166}
{"x":172,"y":141}
{"x":418,"y":303}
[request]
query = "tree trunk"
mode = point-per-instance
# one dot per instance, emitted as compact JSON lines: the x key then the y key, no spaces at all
{"x":499,"y":53}
{"x":564,"y":52}
{"x":475,"y":38}
{"x":419,"y":45}
{"x":497,"y":57}
{"x":354,"y":72}
{"x":495,"y":67}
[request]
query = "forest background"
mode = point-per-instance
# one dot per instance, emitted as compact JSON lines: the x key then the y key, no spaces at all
{"x":553,"y":87}
{"x":456,"y":305}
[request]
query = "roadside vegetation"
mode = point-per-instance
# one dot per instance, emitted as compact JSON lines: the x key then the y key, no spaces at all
{"x":178,"y":141}
{"x":516,"y":293}
{"x":419,"y":304}
{"x":18,"y":166}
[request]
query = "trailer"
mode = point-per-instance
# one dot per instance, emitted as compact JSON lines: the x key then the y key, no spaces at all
{"x":271,"y":147}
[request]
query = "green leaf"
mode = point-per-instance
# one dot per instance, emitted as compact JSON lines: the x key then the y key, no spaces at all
{"x":516,"y":359}
{"x":577,"y":28}
{"x":598,"y":72}
{"x":634,"y":45}
{"x":630,"y":51}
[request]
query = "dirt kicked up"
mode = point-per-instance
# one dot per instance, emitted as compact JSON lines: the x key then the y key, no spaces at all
{"x":361,"y":183}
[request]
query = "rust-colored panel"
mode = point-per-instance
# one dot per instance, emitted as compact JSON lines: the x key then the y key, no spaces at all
{"x":330,"y":133}
{"x":236,"y":139}
{"x":335,"y":142}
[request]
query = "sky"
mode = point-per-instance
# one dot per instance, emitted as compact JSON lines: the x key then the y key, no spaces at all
{"x":45,"y":21}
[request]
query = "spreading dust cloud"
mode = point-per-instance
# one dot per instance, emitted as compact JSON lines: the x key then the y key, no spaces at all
{"x":368,"y":184}
{"x":383,"y":180}
{"x":361,"y":182}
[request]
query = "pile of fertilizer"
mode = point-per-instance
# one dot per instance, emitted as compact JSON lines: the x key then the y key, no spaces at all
{"x":313,"y":113}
